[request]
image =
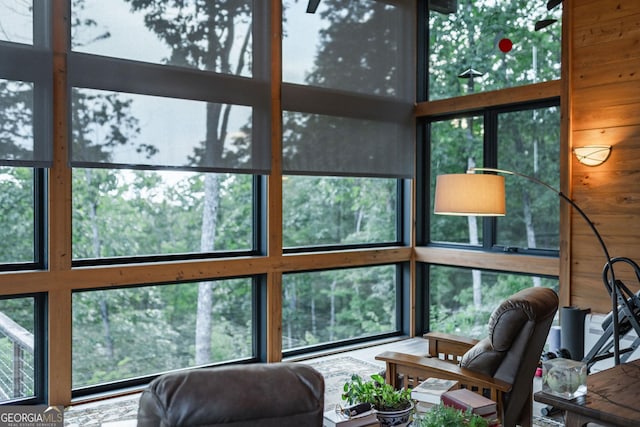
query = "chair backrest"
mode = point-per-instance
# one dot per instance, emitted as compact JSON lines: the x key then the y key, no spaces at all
{"x":269,"y":395}
{"x":518,"y":330}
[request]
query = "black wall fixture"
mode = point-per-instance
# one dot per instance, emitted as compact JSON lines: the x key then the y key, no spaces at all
{"x":543,"y":23}
{"x":312,"y":6}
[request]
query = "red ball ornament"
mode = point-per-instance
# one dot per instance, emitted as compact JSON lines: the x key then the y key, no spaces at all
{"x":505,"y":45}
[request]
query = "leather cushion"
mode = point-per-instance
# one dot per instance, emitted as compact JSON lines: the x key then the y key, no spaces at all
{"x":482,"y":358}
{"x":274,"y":394}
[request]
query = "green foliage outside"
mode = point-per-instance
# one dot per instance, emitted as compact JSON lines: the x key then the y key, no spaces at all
{"x":123,"y":333}
{"x":452,"y":308}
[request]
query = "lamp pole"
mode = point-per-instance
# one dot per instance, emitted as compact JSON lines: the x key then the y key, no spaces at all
{"x":609,"y":278}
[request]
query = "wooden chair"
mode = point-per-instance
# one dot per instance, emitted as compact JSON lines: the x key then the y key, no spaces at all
{"x":500,"y":367}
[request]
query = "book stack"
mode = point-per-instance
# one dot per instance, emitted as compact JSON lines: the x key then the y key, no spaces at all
{"x":467,"y":400}
{"x":339,"y":419}
{"x":428,"y":393}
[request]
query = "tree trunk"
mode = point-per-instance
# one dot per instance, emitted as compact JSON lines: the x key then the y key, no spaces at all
{"x":205,"y":289}
{"x":217,"y":123}
{"x":332,"y":318}
{"x":95,"y":242}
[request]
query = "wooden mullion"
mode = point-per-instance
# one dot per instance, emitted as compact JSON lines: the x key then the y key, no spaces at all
{"x":274,"y":191}
{"x":59,"y":214}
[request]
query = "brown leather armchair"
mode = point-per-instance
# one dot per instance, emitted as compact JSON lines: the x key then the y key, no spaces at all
{"x":500,"y":367}
{"x":268,"y":395}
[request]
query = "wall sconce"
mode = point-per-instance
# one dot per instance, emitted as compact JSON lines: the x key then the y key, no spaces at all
{"x":592,"y":155}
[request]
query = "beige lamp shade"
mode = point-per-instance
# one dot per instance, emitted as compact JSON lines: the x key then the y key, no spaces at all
{"x":470,"y":194}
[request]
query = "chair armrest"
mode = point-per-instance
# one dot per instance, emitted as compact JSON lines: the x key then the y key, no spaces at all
{"x":434,"y":367}
{"x":448,"y":346}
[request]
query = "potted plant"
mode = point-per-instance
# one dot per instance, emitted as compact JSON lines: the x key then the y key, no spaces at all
{"x":447,"y":416}
{"x":393,"y":407}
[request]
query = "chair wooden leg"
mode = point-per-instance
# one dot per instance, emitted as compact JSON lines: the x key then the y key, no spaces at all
{"x":526,"y":416}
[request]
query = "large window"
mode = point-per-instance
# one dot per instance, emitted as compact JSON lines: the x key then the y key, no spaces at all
{"x":151,"y":213}
{"x":328,"y":211}
{"x":124,"y":334}
{"x":25,"y":153}
{"x":461,"y":300}
{"x":25,"y":131}
{"x":17,"y":210}
{"x":170,"y":137}
{"x":483,"y":45}
{"x":166,"y":157}
{"x":347,"y":93}
{"x":347,"y":146}
{"x":524,"y":140}
{"x":21,"y":349}
{"x":328,"y":307}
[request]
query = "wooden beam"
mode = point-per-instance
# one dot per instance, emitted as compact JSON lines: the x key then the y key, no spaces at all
{"x":59,"y":302}
{"x":538,"y":265}
{"x":514,"y":95}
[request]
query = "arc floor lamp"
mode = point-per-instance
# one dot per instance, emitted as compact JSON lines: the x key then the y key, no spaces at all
{"x":474,"y":194}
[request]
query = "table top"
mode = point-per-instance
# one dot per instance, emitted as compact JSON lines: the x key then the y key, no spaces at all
{"x":613,"y":396}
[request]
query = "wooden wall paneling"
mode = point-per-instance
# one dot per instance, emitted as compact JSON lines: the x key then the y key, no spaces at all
{"x":597,"y":35}
{"x":605,"y":65}
{"x":608,"y":95}
{"x":593,"y":13}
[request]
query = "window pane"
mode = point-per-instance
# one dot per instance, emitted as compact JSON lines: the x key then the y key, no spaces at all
{"x":329,"y":306}
{"x":150,"y":131}
{"x":471,"y":38}
{"x":456,"y":145}
{"x":119,"y":213}
{"x":207,"y":35}
{"x":17,"y":203}
{"x":16,"y":121}
{"x":462,"y":300}
{"x":359,"y":46}
{"x":330,"y":145}
{"x":16,"y":21}
{"x":529,"y":143}
{"x":125,"y":333}
{"x":334,"y":211}
{"x":17,"y":350}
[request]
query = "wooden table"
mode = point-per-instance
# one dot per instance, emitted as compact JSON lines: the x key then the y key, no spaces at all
{"x":613,"y":398}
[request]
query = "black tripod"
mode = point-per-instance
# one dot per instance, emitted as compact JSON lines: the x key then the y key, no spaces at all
{"x":628,"y":318}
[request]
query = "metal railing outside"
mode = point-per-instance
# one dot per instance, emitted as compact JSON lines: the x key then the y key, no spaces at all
{"x":17,"y":376}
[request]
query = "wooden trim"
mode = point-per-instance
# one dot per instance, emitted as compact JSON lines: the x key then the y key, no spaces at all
{"x":538,"y":265}
{"x":274,"y":191}
{"x":412,"y":262}
{"x":566,"y":185}
{"x":461,"y":104}
{"x":274,"y":317}
{"x":59,"y":338}
{"x":59,"y":352}
{"x":135,"y":274}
